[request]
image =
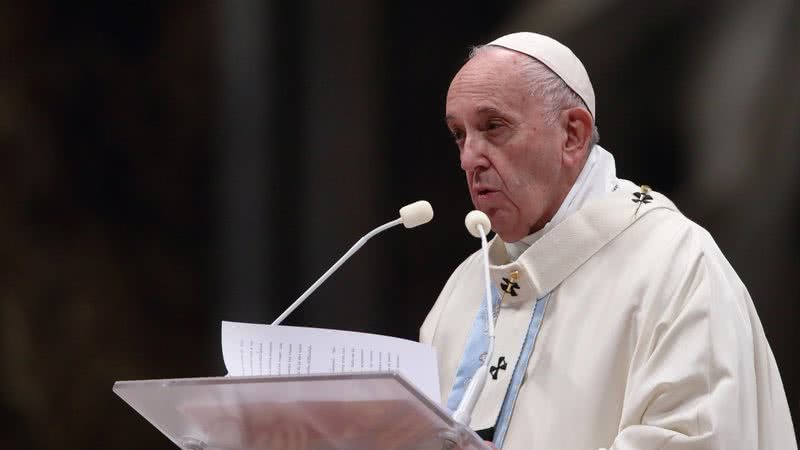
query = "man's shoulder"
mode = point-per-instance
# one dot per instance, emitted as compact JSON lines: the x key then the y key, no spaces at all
{"x":666,"y":240}
{"x":465,"y":272}
{"x":657,"y":212}
{"x":472,"y":261}
{"x":669,"y":222}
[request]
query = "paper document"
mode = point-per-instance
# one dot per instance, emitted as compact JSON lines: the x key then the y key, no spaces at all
{"x":258,"y":349}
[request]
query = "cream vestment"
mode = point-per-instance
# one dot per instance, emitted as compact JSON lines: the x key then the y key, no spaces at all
{"x":647,"y":338}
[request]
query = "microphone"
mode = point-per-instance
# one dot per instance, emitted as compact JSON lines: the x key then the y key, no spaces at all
{"x":478,"y":224}
{"x":475,"y":218}
{"x":413,"y":215}
{"x":416,"y":214}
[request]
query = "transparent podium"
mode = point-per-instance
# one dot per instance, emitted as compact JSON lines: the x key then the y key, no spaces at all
{"x":357,"y":411}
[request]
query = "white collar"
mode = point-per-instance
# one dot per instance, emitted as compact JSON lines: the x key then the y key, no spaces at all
{"x":597,"y":178}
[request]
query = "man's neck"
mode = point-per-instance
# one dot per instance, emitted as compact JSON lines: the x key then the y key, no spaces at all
{"x":597,"y":178}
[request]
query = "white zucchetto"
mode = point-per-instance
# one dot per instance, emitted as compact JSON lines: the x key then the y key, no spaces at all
{"x":557,"y":57}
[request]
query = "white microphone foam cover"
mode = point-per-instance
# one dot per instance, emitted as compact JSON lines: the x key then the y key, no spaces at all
{"x":416,"y":214}
{"x":475,"y":218}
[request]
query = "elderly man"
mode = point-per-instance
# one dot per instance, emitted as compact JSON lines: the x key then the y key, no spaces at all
{"x":619,"y":322}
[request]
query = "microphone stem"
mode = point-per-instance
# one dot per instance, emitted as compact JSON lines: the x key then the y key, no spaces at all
{"x":463,"y":414}
{"x":333,"y":268}
{"x":488,"y":291}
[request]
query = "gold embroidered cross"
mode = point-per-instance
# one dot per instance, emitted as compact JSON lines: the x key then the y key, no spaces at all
{"x":510,"y":285}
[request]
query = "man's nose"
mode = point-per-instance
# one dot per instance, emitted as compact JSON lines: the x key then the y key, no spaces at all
{"x":473,"y":154}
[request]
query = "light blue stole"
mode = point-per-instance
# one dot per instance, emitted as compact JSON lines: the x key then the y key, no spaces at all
{"x":475,"y":354}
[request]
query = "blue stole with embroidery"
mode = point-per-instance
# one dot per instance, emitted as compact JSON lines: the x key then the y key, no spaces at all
{"x":475,"y":355}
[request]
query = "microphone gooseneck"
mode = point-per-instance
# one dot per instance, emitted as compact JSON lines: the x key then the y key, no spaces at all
{"x":412,"y":215}
{"x":478,"y":224}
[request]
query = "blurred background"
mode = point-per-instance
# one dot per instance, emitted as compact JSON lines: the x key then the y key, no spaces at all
{"x":165,"y":165}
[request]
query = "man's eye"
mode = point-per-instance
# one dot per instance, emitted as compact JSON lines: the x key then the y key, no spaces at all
{"x":457,"y":135}
{"x":494,"y":124}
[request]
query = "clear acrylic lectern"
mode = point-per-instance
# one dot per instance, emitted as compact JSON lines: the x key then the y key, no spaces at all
{"x":356,"y":411}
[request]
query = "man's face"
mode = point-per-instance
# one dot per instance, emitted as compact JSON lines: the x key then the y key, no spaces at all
{"x":512,"y":158}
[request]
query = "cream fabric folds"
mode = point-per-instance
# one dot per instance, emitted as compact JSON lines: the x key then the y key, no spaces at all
{"x":649,"y":340}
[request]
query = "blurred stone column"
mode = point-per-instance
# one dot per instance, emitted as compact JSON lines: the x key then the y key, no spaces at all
{"x":341,"y":157}
{"x":243,"y":166}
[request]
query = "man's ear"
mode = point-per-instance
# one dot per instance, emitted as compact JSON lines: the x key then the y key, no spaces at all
{"x":578,"y":124}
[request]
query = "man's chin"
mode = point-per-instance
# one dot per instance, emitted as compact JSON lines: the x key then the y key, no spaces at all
{"x":507,"y":234}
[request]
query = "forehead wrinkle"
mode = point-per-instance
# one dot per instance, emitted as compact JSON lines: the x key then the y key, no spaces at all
{"x":491,"y":80}
{"x":480,"y":105}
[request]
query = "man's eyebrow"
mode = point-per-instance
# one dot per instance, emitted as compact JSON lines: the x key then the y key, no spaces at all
{"x":489,"y":110}
{"x":483,"y":110}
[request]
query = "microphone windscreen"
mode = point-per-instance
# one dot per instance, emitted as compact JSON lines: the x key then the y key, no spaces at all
{"x":475,"y":218}
{"x":417,"y":213}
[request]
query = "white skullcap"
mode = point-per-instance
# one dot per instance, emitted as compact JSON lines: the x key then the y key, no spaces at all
{"x":557,"y":57}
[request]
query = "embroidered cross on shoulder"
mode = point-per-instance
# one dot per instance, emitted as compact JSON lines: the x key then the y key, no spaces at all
{"x":501,"y":365}
{"x":642,"y":197}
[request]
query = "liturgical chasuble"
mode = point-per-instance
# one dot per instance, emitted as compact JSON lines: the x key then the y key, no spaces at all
{"x":648,"y":339}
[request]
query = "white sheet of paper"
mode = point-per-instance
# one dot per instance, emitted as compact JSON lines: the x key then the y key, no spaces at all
{"x":259,"y":349}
